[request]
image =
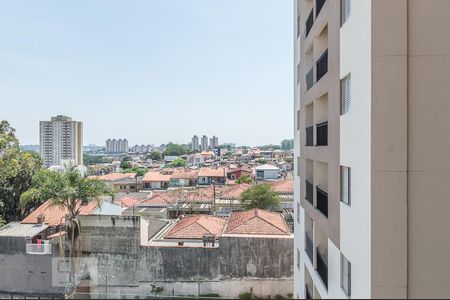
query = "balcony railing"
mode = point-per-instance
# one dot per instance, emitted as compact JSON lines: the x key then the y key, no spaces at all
{"x":319,"y":5}
{"x":322,"y":201}
{"x":322,"y":65}
{"x":310,"y":136}
{"x":310,"y":79}
{"x":322,"y":268}
{"x":322,"y":134}
{"x":309,"y":247}
{"x":309,"y":22}
{"x":39,"y":249}
{"x":309,"y":192}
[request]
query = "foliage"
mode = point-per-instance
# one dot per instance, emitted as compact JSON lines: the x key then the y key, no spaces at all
{"x":260,"y":196}
{"x":270,"y":147}
{"x":244,"y":179}
{"x":17,"y":168}
{"x":175,"y":150}
{"x":287,"y":144}
{"x":89,"y":159}
{"x":179,"y":162}
{"x":2,"y":221}
{"x":261,"y":161}
{"x":126,"y":162}
{"x":290,"y":295}
{"x":211,"y":295}
{"x":155,"y":155}
{"x":245,"y":296}
{"x":289,"y":159}
{"x":70,"y":190}
{"x":156,"y":290}
{"x":139,"y":170}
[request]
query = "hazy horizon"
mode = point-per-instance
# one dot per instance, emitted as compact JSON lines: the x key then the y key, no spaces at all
{"x":150,"y":71}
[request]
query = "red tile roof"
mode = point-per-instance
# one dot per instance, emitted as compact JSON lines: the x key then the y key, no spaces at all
{"x":159,"y":199}
{"x":212,"y":172}
{"x":114,"y":176}
{"x":54,"y":215}
{"x":256,"y":222}
{"x":283,"y":186}
{"x":235,"y":191}
{"x":128,"y":201}
{"x":195,"y":227}
{"x":185,"y":174}
{"x":156,"y":177}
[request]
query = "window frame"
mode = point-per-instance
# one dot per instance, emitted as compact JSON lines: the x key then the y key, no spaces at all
{"x":346,"y":277}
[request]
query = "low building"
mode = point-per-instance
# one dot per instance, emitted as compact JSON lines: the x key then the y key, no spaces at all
{"x":156,"y":180}
{"x":238,"y":173}
{"x":184,"y":178}
{"x":207,"y":176}
{"x":267,"y":172}
{"x":122,"y":182}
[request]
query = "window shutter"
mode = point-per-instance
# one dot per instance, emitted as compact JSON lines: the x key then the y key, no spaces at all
{"x":346,"y":87}
{"x":346,"y":277}
{"x":345,"y":10}
{"x":345,"y":185}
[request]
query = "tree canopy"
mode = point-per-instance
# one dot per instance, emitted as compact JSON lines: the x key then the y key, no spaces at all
{"x":154,"y":155}
{"x":179,"y":162}
{"x":244,"y":179}
{"x":260,"y":196}
{"x":140,"y":171}
{"x":17,"y":168}
{"x":287,"y":144}
{"x":175,"y":150}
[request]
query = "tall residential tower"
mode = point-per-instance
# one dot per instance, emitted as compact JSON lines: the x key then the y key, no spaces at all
{"x":372,"y":121}
{"x":61,"y":139}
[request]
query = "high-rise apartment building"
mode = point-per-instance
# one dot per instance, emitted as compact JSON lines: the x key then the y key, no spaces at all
{"x":214,"y":142}
{"x":61,"y":139}
{"x":204,"y":143}
{"x":372,"y":146}
{"x":114,"y":146}
{"x":194,"y":143}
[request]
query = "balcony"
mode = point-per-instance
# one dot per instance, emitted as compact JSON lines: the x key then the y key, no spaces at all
{"x":39,"y":249}
{"x":309,"y":192}
{"x":309,"y":247}
{"x":309,"y":136}
{"x":322,"y":268}
{"x":322,"y":65}
{"x":322,"y":134}
{"x":309,"y":22}
{"x":310,"y":79}
{"x":319,"y":5}
{"x":322,"y":201}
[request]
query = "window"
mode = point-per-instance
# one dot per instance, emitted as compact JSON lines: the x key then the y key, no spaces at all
{"x":346,"y":94}
{"x":345,"y":10}
{"x":345,"y":185}
{"x":346,"y":275}
{"x":298,"y":259}
{"x":298,"y":212}
{"x":298,"y":119}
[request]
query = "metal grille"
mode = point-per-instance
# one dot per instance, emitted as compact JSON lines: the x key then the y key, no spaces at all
{"x":346,"y":88}
{"x":322,"y":268}
{"x":322,"y":65}
{"x":345,"y":10}
{"x":345,"y":185}
{"x":346,"y":275}
{"x":322,"y":134}
{"x":322,"y":201}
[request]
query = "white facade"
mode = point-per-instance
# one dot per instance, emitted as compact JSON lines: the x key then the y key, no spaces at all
{"x":267,"y":172}
{"x":204,"y":143}
{"x":114,"y":146}
{"x":61,"y":139}
{"x":195,"y":143}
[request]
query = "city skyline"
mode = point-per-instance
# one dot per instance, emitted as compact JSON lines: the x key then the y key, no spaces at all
{"x":147,"y":78}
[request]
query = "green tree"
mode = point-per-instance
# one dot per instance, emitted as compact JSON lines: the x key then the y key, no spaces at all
{"x":126,"y":162}
{"x":244,"y":179}
{"x":2,"y":221}
{"x":287,"y":144}
{"x":260,"y":196}
{"x":261,"y":161}
{"x":179,"y":162}
{"x":155,"y":155}
{"x":17,"y":168}
{"x":138,"y":170}
{"x":89,"y":159}
{"x":175,"y":150}
{"x":69,"y":190}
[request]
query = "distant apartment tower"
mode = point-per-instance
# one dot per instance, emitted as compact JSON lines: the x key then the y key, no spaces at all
{"x":61,"y":139}
{"x":114,"y":146}
{"x":372,"y":149}
{"x":214,"y":142}
{"x":194,"y":143}
{"x":204,"y":143}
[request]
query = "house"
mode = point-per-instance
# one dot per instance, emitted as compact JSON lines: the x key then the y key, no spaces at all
{"x":122,"y":182}
{"x":212,"y":175}
{"x":238,"y":173}
{"x":256,"y":222}
{"x":156,"y":180}
{"x":196,"y":227}
{"x":183,"y":178}
{"x":267,"y":172}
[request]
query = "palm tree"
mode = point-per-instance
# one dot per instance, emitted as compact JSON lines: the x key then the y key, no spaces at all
{"x":70,"y":190}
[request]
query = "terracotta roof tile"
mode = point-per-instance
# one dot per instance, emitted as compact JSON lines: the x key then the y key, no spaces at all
{"x":235,"y":192}
{"x":195,"y":227}
{"x":283,"y":186}
{"x":54,"y":214}
{"x":212,"y":172}
{"x":128,"y":201}
{"x":156,"y":177}
{"x":257,"y":222}
{"x":185,"y":174}
{"x":114,"y":176}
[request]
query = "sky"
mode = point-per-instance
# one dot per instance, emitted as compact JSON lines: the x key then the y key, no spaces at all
{"x":151,"y":71}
